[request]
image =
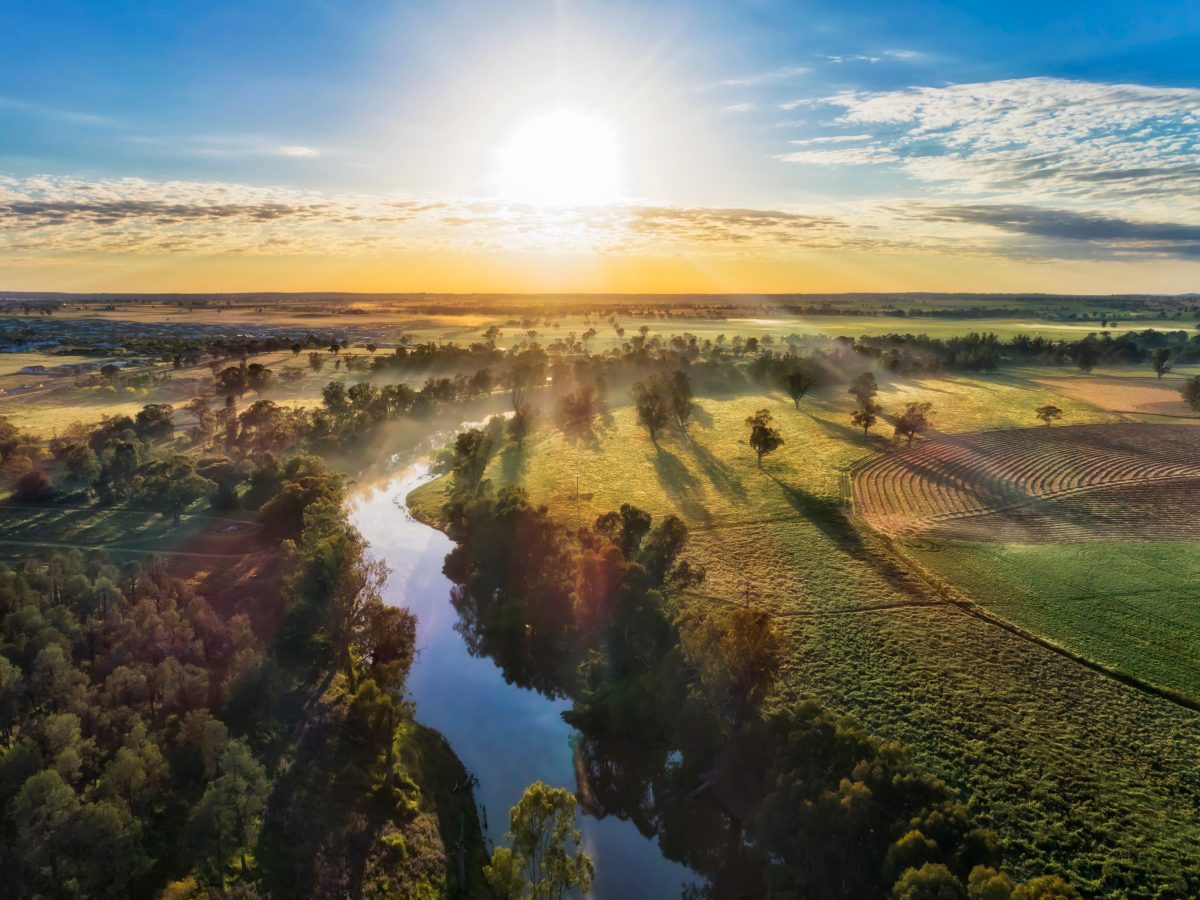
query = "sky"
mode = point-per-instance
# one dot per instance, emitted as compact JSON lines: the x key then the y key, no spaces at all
{"x":751,"y":147}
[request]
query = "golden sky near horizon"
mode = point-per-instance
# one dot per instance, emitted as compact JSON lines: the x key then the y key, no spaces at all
{"x":580,"y":146}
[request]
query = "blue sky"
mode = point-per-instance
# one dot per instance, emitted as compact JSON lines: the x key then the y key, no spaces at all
{"x":762,"y":145}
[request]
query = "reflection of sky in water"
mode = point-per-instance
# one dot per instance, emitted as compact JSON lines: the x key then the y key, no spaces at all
{"x":505,"y":735}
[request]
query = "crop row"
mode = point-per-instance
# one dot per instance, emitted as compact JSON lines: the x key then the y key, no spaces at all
{"x":1063,"y":483}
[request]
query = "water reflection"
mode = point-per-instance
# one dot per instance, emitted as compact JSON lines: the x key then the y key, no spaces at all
{"x":506,"y":733}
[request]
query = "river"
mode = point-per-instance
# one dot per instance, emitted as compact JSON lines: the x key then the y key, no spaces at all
{"x":507,"y":736}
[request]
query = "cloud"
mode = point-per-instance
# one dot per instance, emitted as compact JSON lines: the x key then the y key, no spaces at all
{"x":1113,"y":234}
{"x":1033,"y":139}
{"x":299,"y":152}
{"x":844,"y":156}
{"x":51,"y":112}
{"x":783,"y":73}
{"x":132,"y":215}
{"x":740,"y":107}
{"x":830,"y":139}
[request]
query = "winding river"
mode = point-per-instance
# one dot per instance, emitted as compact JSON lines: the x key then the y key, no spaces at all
{"x":507,"y":736}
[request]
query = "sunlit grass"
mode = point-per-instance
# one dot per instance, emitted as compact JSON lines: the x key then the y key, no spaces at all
{"x":1040,"y":745}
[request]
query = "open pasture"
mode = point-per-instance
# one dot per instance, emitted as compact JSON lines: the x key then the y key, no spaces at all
{"x":1072,"y":483}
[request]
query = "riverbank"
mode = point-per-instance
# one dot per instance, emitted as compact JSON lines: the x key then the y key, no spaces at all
{"x":506,"y":735}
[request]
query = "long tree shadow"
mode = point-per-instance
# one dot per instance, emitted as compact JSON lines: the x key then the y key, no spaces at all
{"x":827,"y":515}
{"x":513,"y":463}
{"x":701,"y":416}
{"x":681,"y":484}
{"x":850,"y":435}
{"x":719,"y":474}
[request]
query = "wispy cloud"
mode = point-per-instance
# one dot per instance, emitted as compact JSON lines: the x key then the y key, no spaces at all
{"x":1033,"y":139}
{"x":51,"y":112}
{"x":783,"y":73}
{"x":740,"y":107}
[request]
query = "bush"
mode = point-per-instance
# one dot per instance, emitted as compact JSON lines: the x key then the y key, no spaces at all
{"x":34,"y":486}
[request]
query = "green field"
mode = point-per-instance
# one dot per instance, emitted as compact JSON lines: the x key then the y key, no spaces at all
{"x":1079,"y":772}
{"x":1133,"y":606}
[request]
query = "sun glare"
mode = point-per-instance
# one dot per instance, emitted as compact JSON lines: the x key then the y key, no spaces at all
{"x":560,"y":158}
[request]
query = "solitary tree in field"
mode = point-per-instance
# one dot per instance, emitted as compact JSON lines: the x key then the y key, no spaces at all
{"x":799,"y":381}
{"x":1190,"y":391}
{"x":1049,"y":413}
{"x":763,"y":438}
{"x":866,"y":416}
{"x":1161,"y":360}
{"x":315,"y":361}
{"x":914,"y":420}
{"x":651,"y":406}
{"x":679,"y":398}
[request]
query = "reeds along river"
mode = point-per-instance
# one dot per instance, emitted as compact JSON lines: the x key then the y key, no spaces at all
{"x":507,"y":736}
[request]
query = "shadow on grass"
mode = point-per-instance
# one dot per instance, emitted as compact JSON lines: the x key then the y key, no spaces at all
{"x":827,"y":515}
{"x":678,"y":482}
{"x":719,"y":474}
{"x":513,"y":463}
{"x":701,"y":416}
{"x":851,"y":435}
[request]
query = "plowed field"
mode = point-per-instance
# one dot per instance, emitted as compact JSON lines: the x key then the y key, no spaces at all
{"x":1066,"y":483}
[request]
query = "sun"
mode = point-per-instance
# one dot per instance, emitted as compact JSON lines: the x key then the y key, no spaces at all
{"x":560,"y":158}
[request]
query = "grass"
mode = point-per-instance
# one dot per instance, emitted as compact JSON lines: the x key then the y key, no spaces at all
{"x":26,"y":529}
{"x":1134,"y":607}
{"x":1079,"y":773}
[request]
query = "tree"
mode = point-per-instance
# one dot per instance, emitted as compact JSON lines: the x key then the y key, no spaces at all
{"x":933,"y":881}
{"x":1085,"y":357}
{"x":520,"y":424}
{"x":864,"y":388}
{"x":763,"y":438}
{"x":315,"y":361}
{"x":154,"y":421}
{"x":232,"y":381}
{"x":258,"y":377}
{"x":1190,"y":391}
{"x":171,"y":485}
{"x":227,"y":819}
{"x":651,"y":407}
{"x":737,"y":655}
{"x":1161,"y":360}
{"x":866,"y":416}
{"x":800,"y":380}
{"x":1049,"y":413}
{"x":679,"y":398}
{"x":472,"y":449}
{"x":34,"y":486}
{"x":80,"y":462}
{"x":545,"y":861}
{"x":43,"y":814}
{"x":913,"y":421}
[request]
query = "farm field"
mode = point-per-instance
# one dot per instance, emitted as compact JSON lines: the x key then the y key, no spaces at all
{"x":1071,"y":483}
{"x":1138,"y":394}
{"x":1041,"y":745}
{"x":1131,"y":606}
